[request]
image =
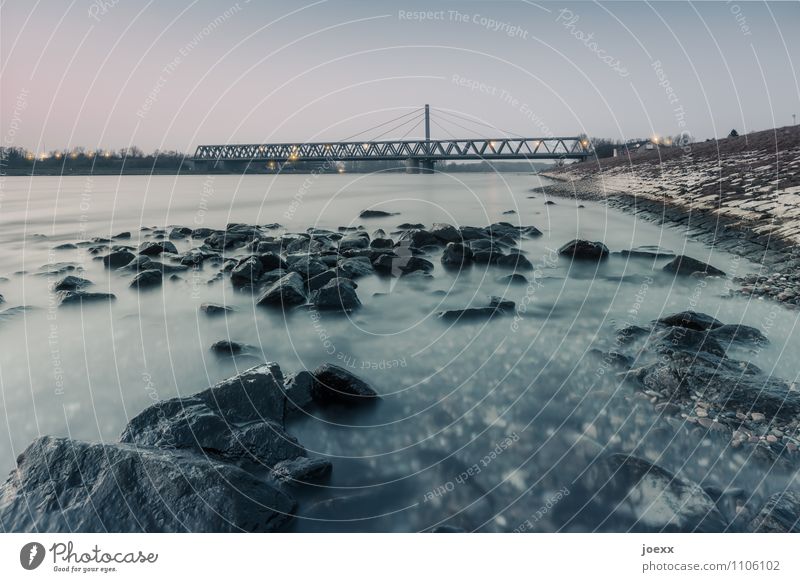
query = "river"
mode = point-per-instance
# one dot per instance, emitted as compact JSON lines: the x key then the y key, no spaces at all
{"x":478,"y":421}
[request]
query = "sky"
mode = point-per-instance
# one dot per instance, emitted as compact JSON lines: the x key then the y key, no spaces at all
{"x":107,"y":74}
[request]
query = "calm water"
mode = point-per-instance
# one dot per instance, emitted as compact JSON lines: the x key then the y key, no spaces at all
{"x":510,"y":397}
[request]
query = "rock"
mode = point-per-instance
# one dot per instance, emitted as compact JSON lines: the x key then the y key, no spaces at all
{"x":355,"y":267}
{"x":215,"y":309}
{"x":376,"y":214}
{"x":515,"y":261}
{"x":122,"y":235}
{"x":510,"y":212}
{"x":652,"y":499}
{"x":78,"y":296}
{"x":682,"y":340}
{"x":333,"y":384}
{"x":381,"y":243}
{"x":683,"y":265}
{"x":65,"y":247}
{"x":727,"y":384}
{"x":247,"y":272}
{"x":140,"y":263}
{"x":14,"y":312}
{"x":336,"y":295}
{"x":513,"y":279}
{"x":134,"y":489}
{"x":742,"y":334}
{"x":302,"y":470}
{"x":446,"y":233}
{"x":354,"y":241}
{"x":691,"y":320}
{"x":71,"y":283}
{"x":307,"y":267}
{"x":117,"y":259}
{"x":297,"y":389}
{"x":322,"y":279}
{"x":239,"y":420}
{"x":419,"y":238}
{"x":286,"y":291}
{"x":149,"y":278}
{"x":456,"y":255}
{"x":780,"y":514}
{"x":152,"y":248}
{"x":271,"y":261}
{"x":549,"y":203}
{"x":471,"y":313}
{"x":500,"y":303}
{"x":584,"y":250}
{"x":410,"y":226}
{"x":228,"y":348}
{"x":2,"y":299}
{"x":647,"y":253}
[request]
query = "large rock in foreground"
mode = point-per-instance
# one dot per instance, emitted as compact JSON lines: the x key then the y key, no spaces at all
{"x":239,"y":419}
{"x":67,"y":486}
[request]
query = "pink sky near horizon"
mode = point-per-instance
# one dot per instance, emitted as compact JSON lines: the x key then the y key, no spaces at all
{"x":105,"y":75}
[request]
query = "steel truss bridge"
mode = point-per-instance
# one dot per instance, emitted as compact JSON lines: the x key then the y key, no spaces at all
{"x":418,"y":154}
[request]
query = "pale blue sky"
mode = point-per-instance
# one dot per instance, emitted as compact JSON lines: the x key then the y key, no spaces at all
{"x":172,"y":75}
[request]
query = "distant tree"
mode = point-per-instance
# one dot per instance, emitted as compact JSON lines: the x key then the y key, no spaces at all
{"x":733,"y":133}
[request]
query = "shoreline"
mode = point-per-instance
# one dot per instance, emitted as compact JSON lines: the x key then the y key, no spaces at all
{"x":727,"y":194}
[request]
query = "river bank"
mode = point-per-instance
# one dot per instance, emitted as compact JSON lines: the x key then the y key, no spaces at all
{"x":740,"y":194}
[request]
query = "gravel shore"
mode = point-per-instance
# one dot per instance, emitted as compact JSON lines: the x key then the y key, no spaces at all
{"x":739,"y":194}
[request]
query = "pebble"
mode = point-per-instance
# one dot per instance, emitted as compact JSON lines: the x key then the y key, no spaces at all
{"x":758,"y":417}
{"x":701,"y":412}
{"x":772,"y":438}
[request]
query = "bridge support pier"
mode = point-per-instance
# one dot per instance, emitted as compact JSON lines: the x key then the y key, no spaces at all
{"x":427,"y":166}
{"x":412,"y":166}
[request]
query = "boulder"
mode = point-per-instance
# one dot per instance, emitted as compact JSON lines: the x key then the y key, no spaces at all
{"x":513,"y":279}
{"x":271,"y":261}
{"x":298,"y":388}
{"x":376,"y":214}
{"x":247,"y":272}
{"x":740,"y":334}
{"x":446,"y":233}
{"x":302,"y":470}
{"x":355,"y":267}
{"x":780,"y":514}
{"x":419,"y":238}
{"x":228,"y":348}
{"x":71,"y":283}
{"x":651,"y":499}
{"x":215,"y":309}
{"x":381,"y":243}
{"x":514,"y":260}
{"x":286,"y":291}
{"x":131,"y":488}
{"x":470,"y":313}
{"x":146,"y":279}
{"x":456,"y":255}
{"x":152,"y":248}
{"x":336,"y":295}
{"x":584,"y":250}
{"x":117,"y":259}
{"x":683,"y":265}
{"x":333,"y":384}
{"x":307,"y":266}
{"x":79,"y":297}
{"x":691,"y":320}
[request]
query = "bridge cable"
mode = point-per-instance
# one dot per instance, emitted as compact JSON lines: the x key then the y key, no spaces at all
{"x":418,"y":119}
{"x":416,"y":125}
{"x":416,"y":111}
{"x":479,"y":123}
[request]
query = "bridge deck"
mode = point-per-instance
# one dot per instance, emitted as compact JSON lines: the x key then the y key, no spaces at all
{"x":456,"y":149}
